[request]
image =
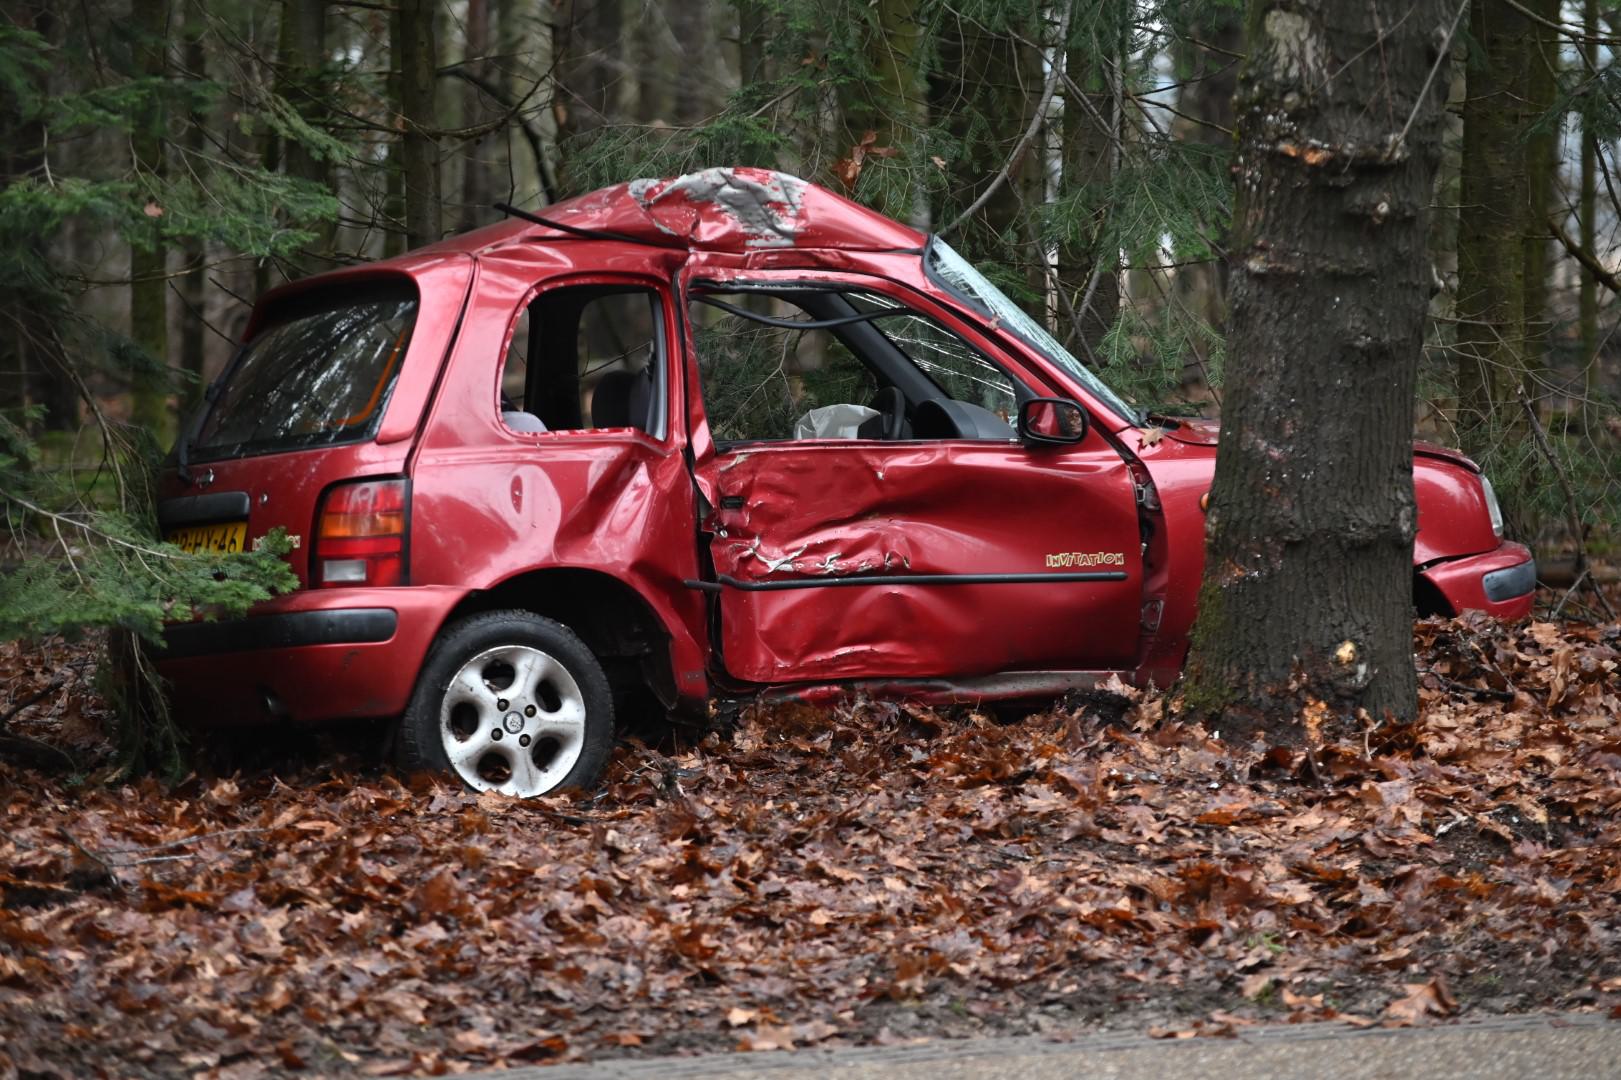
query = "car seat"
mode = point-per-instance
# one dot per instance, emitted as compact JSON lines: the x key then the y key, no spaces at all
{"x":622,"y":399}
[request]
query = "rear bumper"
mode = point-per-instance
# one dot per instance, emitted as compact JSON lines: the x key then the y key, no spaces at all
{"x":1501,"y":583}
{"x":312,"y":656}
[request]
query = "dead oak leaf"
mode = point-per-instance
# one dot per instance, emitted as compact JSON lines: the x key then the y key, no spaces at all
{"x":1423,"y":1000}
{"x":767,"y":1037}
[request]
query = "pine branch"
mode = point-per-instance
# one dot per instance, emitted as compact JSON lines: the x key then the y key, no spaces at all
{"x":1055,"y":71}
{"x":1587,"y":259}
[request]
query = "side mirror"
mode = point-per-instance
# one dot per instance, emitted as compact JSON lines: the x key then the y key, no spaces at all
{"x":1051,"y":422}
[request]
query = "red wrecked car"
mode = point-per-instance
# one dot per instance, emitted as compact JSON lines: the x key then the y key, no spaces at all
{"x":727,"y":433}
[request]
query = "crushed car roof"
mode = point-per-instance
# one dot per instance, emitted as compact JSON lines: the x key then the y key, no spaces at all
{"x":717,"y":209}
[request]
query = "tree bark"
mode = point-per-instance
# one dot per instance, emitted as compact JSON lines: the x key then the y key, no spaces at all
{"x":303,"y":62}
{"x":1588,"y":223}
{"x":751,"y":38}
{"x":1206,"y":102}
{"x":694,"y":60}
{"x":1305,"y":612}
{"x":302,"y":59}
{"x":476,"y":184}
{"x":30,"y":351}
{"x":1496,"y":190}
{"x":888,"y":104}
{"x":1541,"y":167}
{"x":982,"y":74}
{"x":418,"y":105}
{"x":194,"y":285}
{"x":149,"y":291}
{"x":1087,"y":273}
{"x":587,"y":52}
{"x":394,"y":181}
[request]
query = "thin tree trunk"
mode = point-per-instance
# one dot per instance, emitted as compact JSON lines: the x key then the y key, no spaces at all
{"x":751,"y":38}
{"x":689,"y":23}
{"x":1541,"y":166}
{"x":394,"y":182}
{"x":303,"y":61}
{"x":1588,"y":311}
{"x":1305,"y":613}
{"x":418,"y":103}
{"x":30,"y":360}
{"x":1496,"y":189}
{"x":587,"y":50}
{"x":476,"y":185}
{"x":982,"y":74}
{"x":272,"y":152}
{"x":149,"y":291}
{"x":649,"y":58}
{"x":1088,"y":274}
{"x":887,"y":105}
{"x":194,"y":285}
{"x":883,"y":115}
{"x":1206,"y":102}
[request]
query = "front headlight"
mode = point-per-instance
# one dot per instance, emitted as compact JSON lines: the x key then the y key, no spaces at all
{"x":1491,"y":506}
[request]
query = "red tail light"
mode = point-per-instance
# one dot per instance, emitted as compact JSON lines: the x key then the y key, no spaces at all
{"x":360,"y":538}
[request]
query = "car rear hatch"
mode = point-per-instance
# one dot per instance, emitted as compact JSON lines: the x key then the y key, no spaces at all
{"x":322,"y":402}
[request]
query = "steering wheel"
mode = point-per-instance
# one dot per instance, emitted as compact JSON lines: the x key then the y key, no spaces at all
{"x":891,"y":406}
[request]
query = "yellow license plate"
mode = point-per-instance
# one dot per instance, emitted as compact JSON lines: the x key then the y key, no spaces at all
{"x":221,"y":538}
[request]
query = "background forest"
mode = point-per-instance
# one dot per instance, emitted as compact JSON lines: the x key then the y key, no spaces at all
{"x":165,"y":160}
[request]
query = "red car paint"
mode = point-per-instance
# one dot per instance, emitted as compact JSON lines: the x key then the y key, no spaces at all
{"x":945,"y":568}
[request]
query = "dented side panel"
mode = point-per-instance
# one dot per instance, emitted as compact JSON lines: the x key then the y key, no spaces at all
{"x":798,"y":522}
{"x":489,"y":503}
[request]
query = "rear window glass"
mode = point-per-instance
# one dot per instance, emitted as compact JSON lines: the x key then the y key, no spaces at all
{"x":319,"y":374}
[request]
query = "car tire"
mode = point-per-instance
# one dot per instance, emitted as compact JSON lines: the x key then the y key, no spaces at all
{"x":511,"y":702}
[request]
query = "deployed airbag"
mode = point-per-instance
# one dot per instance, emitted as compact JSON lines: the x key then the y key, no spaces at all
{"x":833,"y":422}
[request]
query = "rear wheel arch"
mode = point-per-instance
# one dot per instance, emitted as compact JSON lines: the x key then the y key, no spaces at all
{"x":613,"y":619}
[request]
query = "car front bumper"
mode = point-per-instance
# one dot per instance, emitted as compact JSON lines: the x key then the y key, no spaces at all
{"x":1501,"y":583}
{"x":310,"y":656}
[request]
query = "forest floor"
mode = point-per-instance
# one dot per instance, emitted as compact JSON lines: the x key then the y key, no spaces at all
{"x":870,"y":874}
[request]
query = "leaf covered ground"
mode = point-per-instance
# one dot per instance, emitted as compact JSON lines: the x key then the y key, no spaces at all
{"x":871,"y":873}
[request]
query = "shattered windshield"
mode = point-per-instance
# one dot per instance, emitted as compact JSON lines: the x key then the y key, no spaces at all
{"x":955,"y":273}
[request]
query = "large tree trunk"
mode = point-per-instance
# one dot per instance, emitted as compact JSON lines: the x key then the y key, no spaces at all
{"x":1496,"y":192}
{"x":418,"y":104}
{"x":1307,"y":593}
{"x":149,"y":291}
